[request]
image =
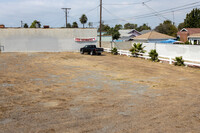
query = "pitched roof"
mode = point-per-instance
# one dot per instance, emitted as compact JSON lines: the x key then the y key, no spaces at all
{"x":190,"y":30}
{"x":144,"y":31}
{"x":128,"y":33}
{"x":197,"y":35}
{"x":153,"y":35}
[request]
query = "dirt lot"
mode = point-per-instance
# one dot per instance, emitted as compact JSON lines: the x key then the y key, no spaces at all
{"x":69,"y":92}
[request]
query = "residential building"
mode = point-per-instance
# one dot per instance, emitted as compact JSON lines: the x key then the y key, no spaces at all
{"x":186,"y":32}
{"x":2,"y":26}
{"x":127,"y":35}
{"x":194,"y":39}
{"x":152,"y":37}
{"x":144,"y":31}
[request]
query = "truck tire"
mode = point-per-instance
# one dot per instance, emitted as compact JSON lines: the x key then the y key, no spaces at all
{"x":99,"y":53}
{"x":91,"y":53}
{"x":82,"y":52}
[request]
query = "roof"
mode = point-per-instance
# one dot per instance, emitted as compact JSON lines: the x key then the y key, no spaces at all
{"x":197,"y":35}
{"x":144,"y":31}
{"x":153,"y":35}
{"x":128,"y":33}
{"x":190,"y":30}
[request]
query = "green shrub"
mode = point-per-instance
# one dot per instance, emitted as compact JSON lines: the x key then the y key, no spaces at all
{"x":114,"y":51}
{"x":179,"y":61}
{"x":137,"y":49}
{"x":187,"y":42}
{"x":154,"y":55}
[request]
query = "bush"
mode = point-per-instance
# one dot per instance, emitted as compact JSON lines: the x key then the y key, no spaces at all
{"x":179,"y":61}
{"x":154,"y":55}
{"x":114,"y":51}
{"x":137,"y":49}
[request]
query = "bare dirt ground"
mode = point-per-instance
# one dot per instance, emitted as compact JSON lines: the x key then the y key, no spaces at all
{"x":73,"y":93}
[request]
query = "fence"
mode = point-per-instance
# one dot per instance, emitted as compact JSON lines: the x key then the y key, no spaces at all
{"x":171,"y":60}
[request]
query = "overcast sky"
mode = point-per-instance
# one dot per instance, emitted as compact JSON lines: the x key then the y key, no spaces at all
{"x":49,"y":12}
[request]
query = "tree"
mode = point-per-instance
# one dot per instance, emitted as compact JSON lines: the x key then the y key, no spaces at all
{"x":74,"y":25}
{"x":181,"y":26}
{"x":114,"y":51}
{"x":35,"y":24}
{"x":179,"y":61}
{"x":114,"y":32}
{"x":90,"y":24}
{"x":154,"y":55}
{"x":118,"y":27}
{"x":192,"y":19}
{"x":143,"y":27}
{"x":83,"y":19}
{"x":68,"y":25}
{"x":130,"y":26}
{"x":25,"y":25}
{"x":167,"y":28}
{"x":104,"y":27}
{"x":137,"y":49}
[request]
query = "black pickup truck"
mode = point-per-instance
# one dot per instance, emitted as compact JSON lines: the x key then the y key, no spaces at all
{"x":91,"y":49}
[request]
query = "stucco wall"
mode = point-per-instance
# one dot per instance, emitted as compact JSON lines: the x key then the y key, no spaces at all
{"x":44,"y":40}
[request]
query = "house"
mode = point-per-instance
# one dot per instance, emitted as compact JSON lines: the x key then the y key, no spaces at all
{"x":144,"y":31}
{"x":127,"y":35}
{"x":152,"y":37}
{"x":186,"y":32}
{"x":194,"y":39}
{"x":2,"y":26}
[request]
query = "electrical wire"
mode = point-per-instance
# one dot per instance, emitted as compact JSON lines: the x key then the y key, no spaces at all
{"x":136,"y":3}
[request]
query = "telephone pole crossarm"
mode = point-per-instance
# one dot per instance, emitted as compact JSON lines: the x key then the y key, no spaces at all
{"x":66,"y":13}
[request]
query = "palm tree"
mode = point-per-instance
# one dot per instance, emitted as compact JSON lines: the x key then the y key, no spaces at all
{"x":137,"y":49}
{"x":83,"y":19}
{"x":74,"y":25}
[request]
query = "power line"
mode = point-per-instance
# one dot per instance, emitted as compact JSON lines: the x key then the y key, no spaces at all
{"x":155,"y":12}
{"x":160,"y":12}
{"x":136,"y":3}
{"x":114,"y":14}
{"x":87,"y":11}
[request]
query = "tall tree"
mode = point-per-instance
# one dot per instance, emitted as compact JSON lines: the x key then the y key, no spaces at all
{"x":143,"y":27}
{"x":74,"y":25}
{"x":118,"y":27}
{"x":192,"y":19}
{"x":104,"y":28}
{"x":181,"y":26}
{"x":35,"y":24}
{"x":68,"y":25}
{"x":130,"y":26}
{"x":167,"y":28}
{"x":114,"y":31}
{"x":25,"y":25}
{"x":83,"y":19}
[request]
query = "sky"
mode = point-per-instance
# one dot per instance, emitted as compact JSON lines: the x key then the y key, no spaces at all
{"x":49,"y":12}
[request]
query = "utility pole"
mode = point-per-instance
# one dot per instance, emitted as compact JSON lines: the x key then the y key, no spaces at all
{"x":66,"y":13}
{"x":100,"y":23}
{"x":173,"y":18}
{"x":21,"y":24}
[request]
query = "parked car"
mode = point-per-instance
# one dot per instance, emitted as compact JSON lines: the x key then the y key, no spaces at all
{"x":91,"y":49}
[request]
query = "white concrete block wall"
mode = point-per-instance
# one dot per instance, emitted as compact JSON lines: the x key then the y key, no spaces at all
{"x":190,"y":52}
{"x":44,"y":40}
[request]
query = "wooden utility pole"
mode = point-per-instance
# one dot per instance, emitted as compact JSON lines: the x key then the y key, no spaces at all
{"x":100,"y":23}
{"x":66,"y":13}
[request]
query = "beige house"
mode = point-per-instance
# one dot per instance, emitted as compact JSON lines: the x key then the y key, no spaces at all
{"x":152,"y":37}
{"x":194,"y":39}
